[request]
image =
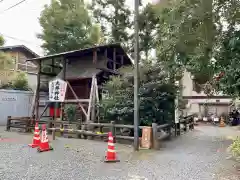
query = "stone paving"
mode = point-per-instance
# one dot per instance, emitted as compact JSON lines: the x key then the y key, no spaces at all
{"x":198,"y":155}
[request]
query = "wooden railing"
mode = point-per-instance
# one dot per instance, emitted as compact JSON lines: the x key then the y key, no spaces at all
{"x":88,"y":130}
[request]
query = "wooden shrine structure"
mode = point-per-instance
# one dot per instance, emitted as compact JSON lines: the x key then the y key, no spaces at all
{"x":84,"y":71}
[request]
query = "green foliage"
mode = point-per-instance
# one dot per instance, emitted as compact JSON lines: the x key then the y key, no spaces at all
{"x":156,"y":95}
{"x":147,"y":27}
{"x":228,"y":62}
{"x":114,"y":15}
{"x":185,"y":35}
{"x":67,"y":26}
{"x":235,"y":148}
{"x":70,"y":112}
{"x":2,"y":41}
{"x":5,"y":60}
{"x":21,"y":82}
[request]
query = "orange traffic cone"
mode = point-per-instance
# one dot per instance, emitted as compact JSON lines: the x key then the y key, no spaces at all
{"x":36,"y":138}
{"x":111,"y":154}
{"x":44,"y":145}
{"x":222,"y":124}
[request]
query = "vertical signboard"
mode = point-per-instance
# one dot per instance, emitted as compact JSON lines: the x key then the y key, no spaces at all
{"x":57,"y":90}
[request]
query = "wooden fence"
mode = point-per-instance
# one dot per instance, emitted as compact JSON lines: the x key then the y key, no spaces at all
{"x":159,"y":132}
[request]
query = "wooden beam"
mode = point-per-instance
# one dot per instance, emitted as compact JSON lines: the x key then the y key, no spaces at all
{"x":80,"y":105}
{"x":108,"y":70}
{"x":48,"y":74}
{"x":54,"y":66}
{"x":113,"y":61}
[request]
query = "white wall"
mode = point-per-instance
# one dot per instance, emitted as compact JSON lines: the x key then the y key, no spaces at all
{"x":193,"y":104}
{"x":14,"y":103}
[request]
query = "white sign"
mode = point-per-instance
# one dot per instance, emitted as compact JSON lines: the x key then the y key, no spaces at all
{"x":57,"y":90}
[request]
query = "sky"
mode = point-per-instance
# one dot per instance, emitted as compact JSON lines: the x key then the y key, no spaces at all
{"x":20,"y":25}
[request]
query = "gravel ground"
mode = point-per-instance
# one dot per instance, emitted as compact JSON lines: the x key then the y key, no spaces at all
{"x":197,"y":155}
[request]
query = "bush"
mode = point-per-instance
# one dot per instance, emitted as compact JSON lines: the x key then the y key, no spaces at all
{"x":20,"y":82}
{"x":156,"y":97}
{"x":235,"y":148}
{"x":71,"y":111}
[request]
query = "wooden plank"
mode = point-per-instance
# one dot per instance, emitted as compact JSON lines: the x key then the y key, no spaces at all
{"x":125,"y":137}
{"x":108,"y":70}
{"x":20,"y":118}
{"x":48,"y":74}
{"x":110,"y":60}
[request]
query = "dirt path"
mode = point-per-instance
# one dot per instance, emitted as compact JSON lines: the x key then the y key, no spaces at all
{"x":197,"y":155}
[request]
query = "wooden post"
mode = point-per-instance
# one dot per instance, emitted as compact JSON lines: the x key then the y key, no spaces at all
{"x":185,"y":126}
{"x":169,"y":130}
{"x":93,"y":103}
{"x":155,"y":136}
{"x":64,"y":62}
{"x":113,"y":131}
{"x":106,"y":57}
{"x":114,"y":59}
{"x":97,"y":100}
{"x":90,"y":101}
{"x":122,"y":60}
{"x":33,"y":105}
{"x":101,"y":131}
{"x":53,"y":134}
{"x":8,"y":123}
{"x":94,"y":56}
{"x":37,"y":90}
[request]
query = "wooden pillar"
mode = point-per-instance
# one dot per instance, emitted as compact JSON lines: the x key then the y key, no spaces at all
{"x":105,"y":57}
{"x":64,"y":63}
{"x":155,"y":142}
{"x":114,"y":59}
{"x":122,"y":60}
{"x":38,"y":89}
{"x":95,"y":56}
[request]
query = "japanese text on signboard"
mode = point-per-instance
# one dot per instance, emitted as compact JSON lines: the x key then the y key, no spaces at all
{"x":57,"y":90}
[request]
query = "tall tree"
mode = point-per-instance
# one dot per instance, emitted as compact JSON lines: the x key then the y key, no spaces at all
{"x":191,"y":32}
{"x":147,"y":26}
{"x":114,"y":17}
{"x":67,"y":26}
{"x":5,"y":60}
{"x":186,"y":35}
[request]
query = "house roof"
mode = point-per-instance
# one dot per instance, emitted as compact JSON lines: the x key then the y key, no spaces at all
{"x":22,"y":48}
{"x":88,"y":51}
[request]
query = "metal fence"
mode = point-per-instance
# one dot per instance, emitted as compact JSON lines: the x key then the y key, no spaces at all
{"x":14,"y":103}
